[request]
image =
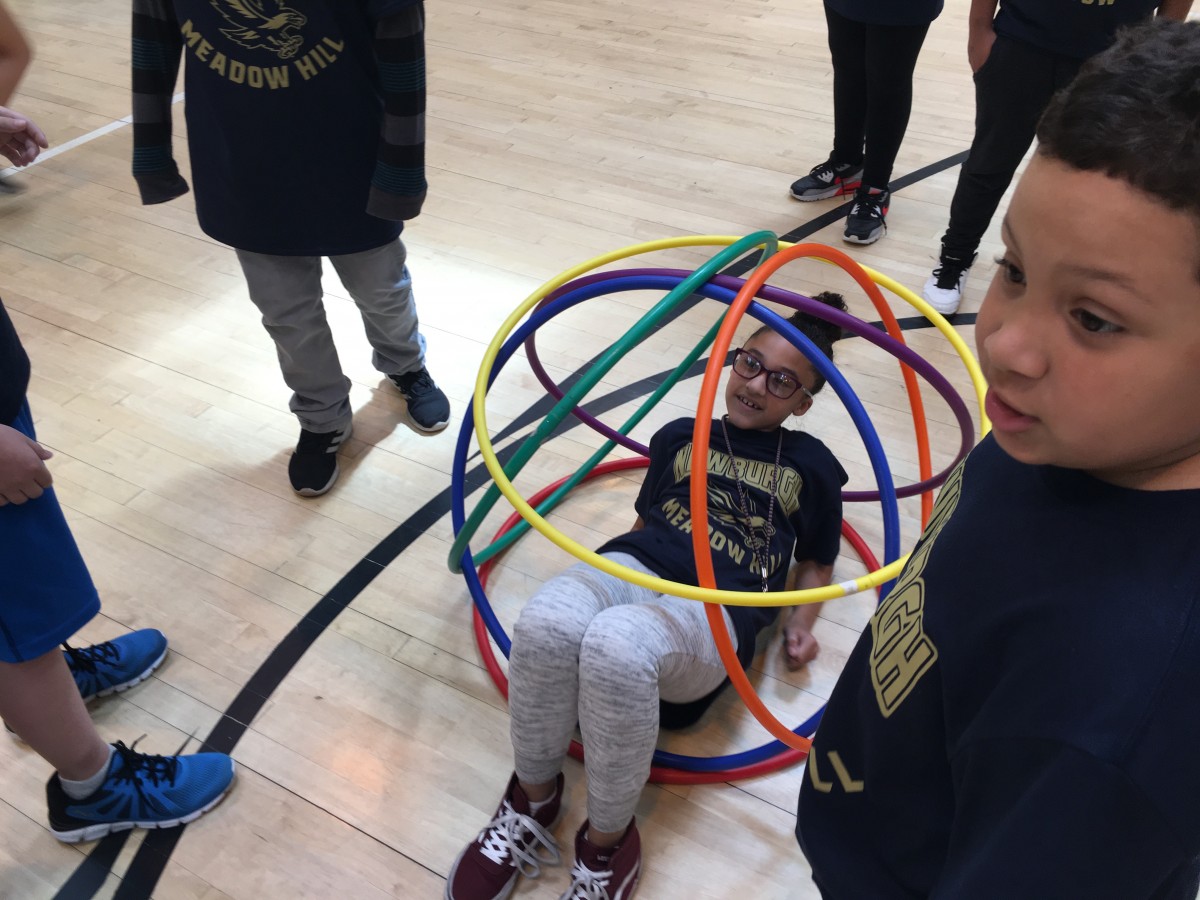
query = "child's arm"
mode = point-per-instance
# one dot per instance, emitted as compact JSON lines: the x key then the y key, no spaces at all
{"x":398,"y":186}
{"x":20,"y":139}
{"x":157,"y":48}
{"x":23,"y":472}
{"x":1174,"y":9}
{"x":980,"y":32}
{"x":799,"y":646}
{"x":14,"y":55}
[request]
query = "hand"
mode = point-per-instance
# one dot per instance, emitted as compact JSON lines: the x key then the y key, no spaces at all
{"x":799,"y":646}
{"x":979,"y":46}
{"x":20,"y":139}
{"x":23,"y":472}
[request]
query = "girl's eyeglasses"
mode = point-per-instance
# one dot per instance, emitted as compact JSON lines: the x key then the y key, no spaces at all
{"x":781,"y":384}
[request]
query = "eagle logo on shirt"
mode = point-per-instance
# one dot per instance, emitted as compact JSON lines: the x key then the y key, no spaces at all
{"x":262,"y":24}
{"x":723,"y":507}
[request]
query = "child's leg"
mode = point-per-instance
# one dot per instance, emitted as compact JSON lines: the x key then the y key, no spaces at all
{"x":847,"y":51}
{"x":631,"y":656}
{"x":381,"y":287}
{"x":544,"y":668}
{"x":891,"y":57}
{"x":287,"y":291}
{"x":40,"y":701}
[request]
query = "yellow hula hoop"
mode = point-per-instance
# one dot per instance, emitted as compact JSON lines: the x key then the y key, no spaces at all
{"x":651,"y":582}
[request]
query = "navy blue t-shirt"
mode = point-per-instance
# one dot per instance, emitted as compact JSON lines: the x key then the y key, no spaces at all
{"x":1020,"y":717}
{"x":284,"y":120}
{"x":888,"y":12}
{"x":14,"y":370}
{"x":1076,"y":28}
{"x":806,"y":524}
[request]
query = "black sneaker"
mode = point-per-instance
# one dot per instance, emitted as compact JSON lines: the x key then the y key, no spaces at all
{"x":944,"y":288}
{"x":313,"y":467}
{"x":865,"y":224}
{"x":428,"y":408}
{"x":829,"y":179}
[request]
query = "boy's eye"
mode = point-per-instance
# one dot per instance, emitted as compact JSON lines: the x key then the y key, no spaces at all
{"x":1093,"y":323}
{"x":783,"y":382}
{"x":1012,"y":274}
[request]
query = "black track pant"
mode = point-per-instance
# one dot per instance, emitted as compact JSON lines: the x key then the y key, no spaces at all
{"x":1012,"y":89}
{"x":872,"y":91}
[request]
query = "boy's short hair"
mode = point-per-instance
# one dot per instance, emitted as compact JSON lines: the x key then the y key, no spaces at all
{"x":1133,"y":112}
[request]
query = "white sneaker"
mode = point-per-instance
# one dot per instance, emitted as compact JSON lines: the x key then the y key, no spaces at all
{"x":944,"y":288}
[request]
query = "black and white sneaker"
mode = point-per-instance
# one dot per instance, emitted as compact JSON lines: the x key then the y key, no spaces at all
{"x":829,"y":179}
{"x":867,"y":220}
{"x":944,"y":288}
{"x":313,"y":468}
{"x":428,"y":408}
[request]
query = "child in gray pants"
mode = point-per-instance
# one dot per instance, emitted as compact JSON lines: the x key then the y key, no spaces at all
{"x":593,"y":649}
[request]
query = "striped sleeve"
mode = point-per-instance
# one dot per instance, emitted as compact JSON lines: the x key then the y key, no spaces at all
{"x":155,"y":52}
{"x":398,"y":185}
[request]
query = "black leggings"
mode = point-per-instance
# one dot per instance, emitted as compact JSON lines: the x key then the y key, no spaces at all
{"x":872,"y":91}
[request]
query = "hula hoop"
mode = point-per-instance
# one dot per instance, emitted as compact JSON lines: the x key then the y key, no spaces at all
{"x":483,"y":610}
{"x":606,"y":283}
{"x":506,"y":488}
{"x":732,"y":284}
{"x":699,"y":473}
{"x":742,"y":303}
{"x":777,"y":599}
{"x":765,"y":239}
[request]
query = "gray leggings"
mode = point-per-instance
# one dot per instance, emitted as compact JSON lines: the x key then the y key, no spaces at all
{"x":593,"y":649}
{"x":287,"y":291}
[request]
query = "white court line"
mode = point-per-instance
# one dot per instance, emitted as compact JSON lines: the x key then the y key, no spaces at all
{"x":82,"y":139}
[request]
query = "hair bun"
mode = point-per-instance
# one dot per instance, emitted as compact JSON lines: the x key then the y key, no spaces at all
{"x":829,"y":330}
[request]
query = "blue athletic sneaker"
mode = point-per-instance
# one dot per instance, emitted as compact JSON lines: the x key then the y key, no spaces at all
{"x":141,"y":791}
{"x":118,"y":664}
{"x":113,"y":666}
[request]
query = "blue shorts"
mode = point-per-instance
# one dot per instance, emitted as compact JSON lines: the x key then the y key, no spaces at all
{"x":46,"y":593}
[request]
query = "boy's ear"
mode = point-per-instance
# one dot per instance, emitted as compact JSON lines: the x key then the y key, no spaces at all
{"x":804,"y":405}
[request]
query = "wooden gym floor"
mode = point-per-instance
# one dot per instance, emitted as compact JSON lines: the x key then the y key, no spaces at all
{"x":325,"y":640}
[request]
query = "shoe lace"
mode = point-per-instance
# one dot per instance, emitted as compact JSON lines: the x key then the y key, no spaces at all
{"x":947,"y":275}
{"x":530,"y":845}
{"x":137,"y":768}
{"x":588,"y":884}
{"x":420,"y":383}
{"x":868,"y":205}
{"x":85,"y":659}
{"x":824,"y":172}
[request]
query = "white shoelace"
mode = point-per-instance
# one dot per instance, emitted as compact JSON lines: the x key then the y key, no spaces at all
{"x":587,"y":884}
{"x":530,"y":845}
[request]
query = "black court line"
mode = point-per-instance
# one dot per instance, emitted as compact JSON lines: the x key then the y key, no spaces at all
{"x":148,"y":864}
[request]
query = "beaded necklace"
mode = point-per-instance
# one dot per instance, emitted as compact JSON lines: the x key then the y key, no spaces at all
{"x":760,"y":545}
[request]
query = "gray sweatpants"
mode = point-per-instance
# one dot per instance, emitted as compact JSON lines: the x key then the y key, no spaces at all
{"x":593,"y":649}
{"x":287,"y":291}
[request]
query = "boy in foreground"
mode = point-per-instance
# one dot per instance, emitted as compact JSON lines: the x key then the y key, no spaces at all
{"x":1019,"y":719}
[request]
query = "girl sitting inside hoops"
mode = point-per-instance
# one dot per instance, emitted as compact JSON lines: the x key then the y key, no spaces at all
{"x":592,"y":649}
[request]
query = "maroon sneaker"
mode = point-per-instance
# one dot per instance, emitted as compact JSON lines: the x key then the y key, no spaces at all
{"x":605,"y":873}
{"x":516,"y":842}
